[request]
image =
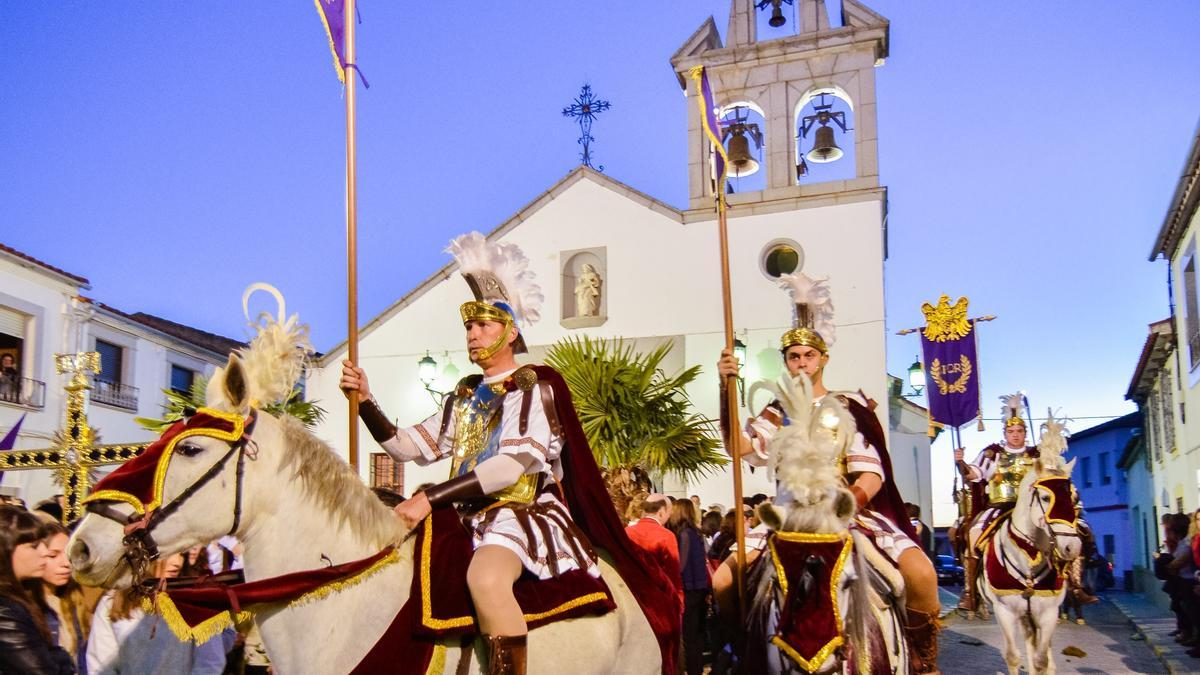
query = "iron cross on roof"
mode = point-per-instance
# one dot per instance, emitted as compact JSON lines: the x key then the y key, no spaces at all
{"x":584,"y":109}
{"x":73,"y":455}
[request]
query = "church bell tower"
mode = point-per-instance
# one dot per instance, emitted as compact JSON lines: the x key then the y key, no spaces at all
{"x":796,"y":97}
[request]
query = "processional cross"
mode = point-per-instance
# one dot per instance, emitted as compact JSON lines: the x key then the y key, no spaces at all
{"x":75,"y":455}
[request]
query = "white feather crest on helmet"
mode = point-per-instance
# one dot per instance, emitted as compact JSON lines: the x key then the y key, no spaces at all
{"x":804,"y":453}
{"x":275,"y":358}
{"x":1010,"y":409}
{"x":1053,"y":442}
{"x":816,"y":294}
{"x":508,"y":265}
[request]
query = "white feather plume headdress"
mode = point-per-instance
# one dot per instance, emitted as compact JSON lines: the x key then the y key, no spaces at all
{"x":804,"y":453}
{"x":1053,"y":441}
{"x":1010,"y":411}
{"x":274,"y":360}
{"x":812,"y":310}
{"x":499,"y":273}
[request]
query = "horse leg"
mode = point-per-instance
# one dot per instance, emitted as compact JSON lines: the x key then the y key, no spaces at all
{"x":1009,"y":621}
{"x":1045,"y":617}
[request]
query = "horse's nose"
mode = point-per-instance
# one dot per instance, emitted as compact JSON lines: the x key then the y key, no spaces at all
{"x":80,"y":554}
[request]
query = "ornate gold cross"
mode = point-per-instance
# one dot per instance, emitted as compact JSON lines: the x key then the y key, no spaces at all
{"x":75,"y":455}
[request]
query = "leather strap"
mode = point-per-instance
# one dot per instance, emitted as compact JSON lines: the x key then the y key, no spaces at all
{"x":378,"y":424}
{"x":548,"y":408}
{"x":463,"y":488}
{"x":523,"y":420}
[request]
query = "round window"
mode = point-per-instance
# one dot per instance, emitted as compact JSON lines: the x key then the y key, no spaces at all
{"x":782,"y":257}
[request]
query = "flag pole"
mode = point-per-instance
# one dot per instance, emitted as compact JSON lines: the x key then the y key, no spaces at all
{"x":730,"y":402}
{"x":351,"y":221}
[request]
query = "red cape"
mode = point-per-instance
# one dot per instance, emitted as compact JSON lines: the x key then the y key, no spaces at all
{"x":888,"y":500}
{"x":593,"y":511}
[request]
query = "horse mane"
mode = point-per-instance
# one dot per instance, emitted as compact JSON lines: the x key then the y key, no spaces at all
{"x":330,"y":481}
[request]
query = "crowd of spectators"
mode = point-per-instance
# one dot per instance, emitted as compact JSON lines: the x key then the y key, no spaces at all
{"x":1176,"y":566}
{"x":51,"y":625}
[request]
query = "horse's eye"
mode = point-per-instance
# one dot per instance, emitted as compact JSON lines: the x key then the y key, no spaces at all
{"x":189,"y":449}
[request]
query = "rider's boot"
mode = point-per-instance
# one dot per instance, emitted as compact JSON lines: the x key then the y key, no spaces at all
{"x":967,"y":602}
{"x":1078,"y":590}
{"x":922,"y":629}
{"x":506,"y":654}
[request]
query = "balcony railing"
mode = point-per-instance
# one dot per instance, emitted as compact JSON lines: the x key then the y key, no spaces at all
{"x":115,"y":394}
{"x":22,"y":391}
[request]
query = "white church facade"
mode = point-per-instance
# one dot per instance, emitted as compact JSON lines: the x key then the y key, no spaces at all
{"x":658,"y":265}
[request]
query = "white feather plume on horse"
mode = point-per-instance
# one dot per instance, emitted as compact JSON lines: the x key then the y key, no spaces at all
{"x":274,"y":360}
{"x":508,"y":264}
{"x":1053,"y":441}
{"x":804,"y":453}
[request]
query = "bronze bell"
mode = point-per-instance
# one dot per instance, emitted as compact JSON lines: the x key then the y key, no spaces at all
{"x":741,"y":163}
{"x":825,"y":149}
{"x":777,"y":19}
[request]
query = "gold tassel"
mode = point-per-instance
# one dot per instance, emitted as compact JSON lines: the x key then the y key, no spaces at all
{"x":980,"y":425}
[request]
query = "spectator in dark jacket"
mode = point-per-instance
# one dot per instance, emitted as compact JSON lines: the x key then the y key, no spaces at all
{"x":693,"y":565}
{"x":26,"y":645}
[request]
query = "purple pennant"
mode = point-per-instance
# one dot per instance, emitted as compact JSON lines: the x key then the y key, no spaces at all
{"x":333,"y":13}
{"x":10,"y":439}
{"x":712,"y":126}
{"x":952,"y":379}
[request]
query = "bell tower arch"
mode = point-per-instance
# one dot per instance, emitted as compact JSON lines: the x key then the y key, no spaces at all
{"x":809,"y":79}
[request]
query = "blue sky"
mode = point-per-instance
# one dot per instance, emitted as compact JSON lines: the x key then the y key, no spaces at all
{"x":175,"y":152}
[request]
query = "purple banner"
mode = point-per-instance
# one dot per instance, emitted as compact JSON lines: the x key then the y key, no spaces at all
{"x":952,"y":378}
{"x":712,"y":128}
{"x":333,"y":16}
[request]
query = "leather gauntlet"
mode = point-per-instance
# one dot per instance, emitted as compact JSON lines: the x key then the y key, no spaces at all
{"x":378,"y":424}
{"x":463,"y":488}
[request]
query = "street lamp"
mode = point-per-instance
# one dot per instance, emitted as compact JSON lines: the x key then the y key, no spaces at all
{"x":427,"y":373}
{"x":739,"y":352}
{"x":916,"y":377}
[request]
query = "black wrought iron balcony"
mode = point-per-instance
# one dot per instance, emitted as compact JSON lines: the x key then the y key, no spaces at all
{"x":114,"y":394}
{"x":22,"y":391}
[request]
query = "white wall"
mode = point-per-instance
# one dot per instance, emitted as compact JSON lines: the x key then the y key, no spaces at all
{"x":662,"y":280}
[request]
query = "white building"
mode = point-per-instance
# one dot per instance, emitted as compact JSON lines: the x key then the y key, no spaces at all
{"x":43,"y":313}
{"x":659,"y":264}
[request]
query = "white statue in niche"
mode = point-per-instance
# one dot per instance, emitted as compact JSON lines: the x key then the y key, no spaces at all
{"x":587,"y":291}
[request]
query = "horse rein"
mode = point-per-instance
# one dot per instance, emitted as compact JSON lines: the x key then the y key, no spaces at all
{"x":140,"y":547}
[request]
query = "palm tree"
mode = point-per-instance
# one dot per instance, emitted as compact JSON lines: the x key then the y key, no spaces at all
{"x":638,"y":420}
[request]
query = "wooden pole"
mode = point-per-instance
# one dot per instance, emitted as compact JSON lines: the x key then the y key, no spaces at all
{"x":731,"y":403}
{"x":351,"y":221}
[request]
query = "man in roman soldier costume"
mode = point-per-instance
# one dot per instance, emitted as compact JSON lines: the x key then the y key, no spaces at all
{"x":866,"y":466}
{"x":531,"y":506}
{"x":999,"y":468}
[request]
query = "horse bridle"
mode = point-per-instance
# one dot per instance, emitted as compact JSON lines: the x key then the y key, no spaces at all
{"x":1054,"y":535}
{"x":140,"y":547}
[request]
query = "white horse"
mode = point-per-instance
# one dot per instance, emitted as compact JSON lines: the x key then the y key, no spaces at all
{"x":1024,"y":581}
{"x":819,"y":511}
{"x":302,"y":507}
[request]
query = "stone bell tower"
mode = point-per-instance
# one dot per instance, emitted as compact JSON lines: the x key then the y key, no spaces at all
{"x":780,"y":77}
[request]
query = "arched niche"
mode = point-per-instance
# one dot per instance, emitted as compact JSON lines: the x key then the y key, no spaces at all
{"x":812,"y":103}
{"x":584,"y":286}
{"x":745,"y":119}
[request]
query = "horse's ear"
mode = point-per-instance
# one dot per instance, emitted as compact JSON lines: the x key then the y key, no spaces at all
{"x":844,"y":504}
{"x":236,"y":389}
{"x":1038,"y":466}
{"x":1070,"y":466}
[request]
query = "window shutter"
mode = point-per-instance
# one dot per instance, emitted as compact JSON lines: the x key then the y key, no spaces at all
{"x":12,"y":323}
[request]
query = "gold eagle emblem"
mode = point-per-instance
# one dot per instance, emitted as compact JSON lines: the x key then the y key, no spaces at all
{"x":945,"y":321}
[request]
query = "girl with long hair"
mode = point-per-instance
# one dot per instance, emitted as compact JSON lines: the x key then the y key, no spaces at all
{"x":693,"y":566}
{"x":65,"y":597}
{"x":126,"y":640}
{"x":26,"y":643}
